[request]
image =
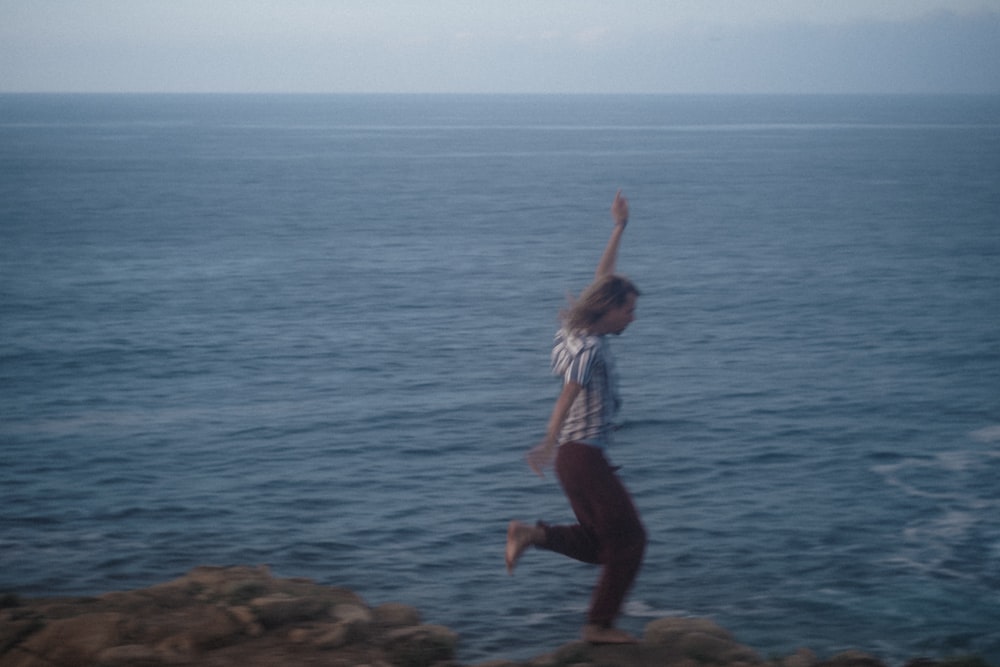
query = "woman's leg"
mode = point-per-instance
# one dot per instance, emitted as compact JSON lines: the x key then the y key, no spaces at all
{"x":610,"y":531}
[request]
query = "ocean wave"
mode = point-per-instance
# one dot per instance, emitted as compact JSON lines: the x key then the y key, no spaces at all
{"x":986,"y":434}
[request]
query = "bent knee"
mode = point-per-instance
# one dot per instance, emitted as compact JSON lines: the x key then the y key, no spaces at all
{"x":630,"y":546}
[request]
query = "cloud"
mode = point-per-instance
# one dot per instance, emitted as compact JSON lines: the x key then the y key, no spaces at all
{"x":592,"y":35}
{"x":501,"y":46}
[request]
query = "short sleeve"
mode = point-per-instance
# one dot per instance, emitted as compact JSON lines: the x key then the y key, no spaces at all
{"x":581,"y":368}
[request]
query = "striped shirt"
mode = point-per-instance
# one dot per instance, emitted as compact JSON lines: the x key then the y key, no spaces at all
{"x":587,"y":360}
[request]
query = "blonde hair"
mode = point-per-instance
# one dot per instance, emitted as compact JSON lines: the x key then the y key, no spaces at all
{"x":605,"y":293}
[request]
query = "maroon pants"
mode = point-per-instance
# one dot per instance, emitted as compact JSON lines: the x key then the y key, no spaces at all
{"x":609,"y":531}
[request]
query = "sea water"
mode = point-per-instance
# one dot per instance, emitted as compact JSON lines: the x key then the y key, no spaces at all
{"x":313,"y":332}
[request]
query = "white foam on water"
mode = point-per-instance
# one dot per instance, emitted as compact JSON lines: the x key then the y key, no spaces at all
{"x":641,"y":609}
{"x":987,"y":434}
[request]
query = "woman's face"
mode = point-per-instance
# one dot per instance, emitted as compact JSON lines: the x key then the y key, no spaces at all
{"x":616,"y":320}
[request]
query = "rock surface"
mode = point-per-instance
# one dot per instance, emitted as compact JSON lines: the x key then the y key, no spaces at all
{"x":243,"y":616}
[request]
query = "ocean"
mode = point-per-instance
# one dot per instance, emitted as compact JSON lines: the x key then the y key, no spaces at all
{"x":313,"y":332}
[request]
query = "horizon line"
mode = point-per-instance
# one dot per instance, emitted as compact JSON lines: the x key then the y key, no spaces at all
{"x":511,"y":93}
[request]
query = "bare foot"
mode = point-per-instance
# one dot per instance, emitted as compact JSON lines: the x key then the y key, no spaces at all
{"x":595,"y":634}
{"x":519,"y":538}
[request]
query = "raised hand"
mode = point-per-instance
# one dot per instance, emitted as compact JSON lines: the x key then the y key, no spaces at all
{"x":619,"y":209}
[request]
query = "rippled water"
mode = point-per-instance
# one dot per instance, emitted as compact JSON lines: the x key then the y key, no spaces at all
{"x":313,"y":332}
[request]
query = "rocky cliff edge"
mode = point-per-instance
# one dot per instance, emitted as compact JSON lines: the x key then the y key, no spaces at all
{"x":245,"y":617}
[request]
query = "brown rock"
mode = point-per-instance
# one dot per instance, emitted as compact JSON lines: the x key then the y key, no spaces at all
{"x":15,"y":625}
{"x":670,"y":629}
{"x":130,"y":655}
{"x":921,"y":662}
{"x":280,"y":609}
{"x":222,"y":580}
{"x":247,"y":620}
{"x":852,"y":659}
{"x":17,"y":657}
{"x":801,"y":658}
{"x":420,"y":645}
{"x":355,"y":620}
{"x":396,"y":615}
{"x":333,"y":636}
{"x":700,"y":640}
{"x":245,"y":617}
{"x":75,"y":641}
{"x":352,"y":613}
{"x":205,"y":628}
{"x":627,"y":655}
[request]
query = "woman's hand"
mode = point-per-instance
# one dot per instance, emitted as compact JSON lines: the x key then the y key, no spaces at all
{"x":541,"y":456}
{"x":619,"y":209}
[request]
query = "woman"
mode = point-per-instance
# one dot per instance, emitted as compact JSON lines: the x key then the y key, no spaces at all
{"x":609,"y":531}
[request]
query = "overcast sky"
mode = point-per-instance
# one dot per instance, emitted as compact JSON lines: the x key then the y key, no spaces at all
{"x":504,"y":46}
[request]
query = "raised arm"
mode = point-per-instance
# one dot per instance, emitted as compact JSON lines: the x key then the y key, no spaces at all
{"x":619,"y":212}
